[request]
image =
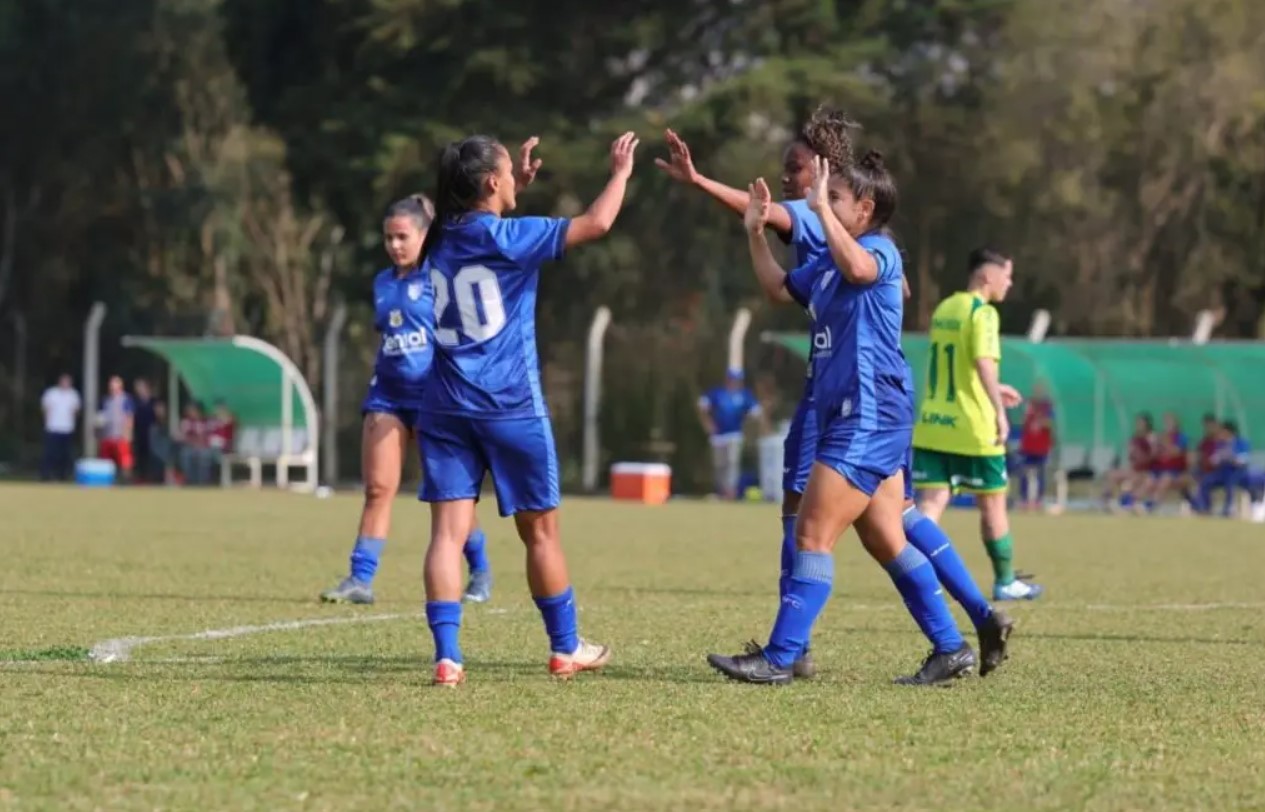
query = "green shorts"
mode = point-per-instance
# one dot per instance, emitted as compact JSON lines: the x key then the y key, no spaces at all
{"x":939,"y":469}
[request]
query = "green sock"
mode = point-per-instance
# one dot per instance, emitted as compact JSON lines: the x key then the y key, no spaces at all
{"x":1002,"y":553}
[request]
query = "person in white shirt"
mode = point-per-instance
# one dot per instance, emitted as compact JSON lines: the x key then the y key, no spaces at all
{"x":61,"y":406}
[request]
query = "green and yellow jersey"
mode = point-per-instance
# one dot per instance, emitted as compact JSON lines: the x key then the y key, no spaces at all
{"x":955,"y":415}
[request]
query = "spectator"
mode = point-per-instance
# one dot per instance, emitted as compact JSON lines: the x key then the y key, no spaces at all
{"x":1229,"y":469}
{"x":1208,"y":445}
{"x":144,"y":420}
{"x":116,"y":423}
{"x":195,"y":446}
{"x":220,"y":428}
{"x":160,"y":446}
{"x":1036,"y":443}
{"x":60,"y":405}
{"x":723,"y":410}
{"x":1134,"y":476}
{"x":1172,"y":459}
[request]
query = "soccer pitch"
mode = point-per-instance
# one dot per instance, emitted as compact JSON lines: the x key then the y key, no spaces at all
{"x":1135,"y":684}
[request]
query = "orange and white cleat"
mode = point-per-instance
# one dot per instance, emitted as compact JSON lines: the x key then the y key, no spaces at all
{"x":587,"y":657}
{"x":449,"y":674}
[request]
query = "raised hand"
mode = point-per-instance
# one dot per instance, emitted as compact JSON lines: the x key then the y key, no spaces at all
{"x":757,"y":213}
{"x":680,"y":166}
{"x":622,"y":151}
{"x":817,"y":194}
{"x":525,"y":171}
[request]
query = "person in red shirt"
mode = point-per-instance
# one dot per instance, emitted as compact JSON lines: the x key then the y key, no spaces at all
{"x":1036,"y":442}
{"x":1171,"y":461}
{"x":1133,"y":477}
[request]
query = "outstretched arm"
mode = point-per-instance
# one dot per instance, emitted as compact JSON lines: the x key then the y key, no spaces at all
{"x":601,"y":214}
{"x":680,"y":167}
{"x":768,"y":272}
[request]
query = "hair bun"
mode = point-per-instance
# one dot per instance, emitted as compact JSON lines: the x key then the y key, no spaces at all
{"x":872,"y":160}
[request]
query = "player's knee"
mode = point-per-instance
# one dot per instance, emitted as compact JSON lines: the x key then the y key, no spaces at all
{"x":379,"y":491}
{"x":537,"y":528}
{"x":811,"y":536}
{"x":912,"y":517}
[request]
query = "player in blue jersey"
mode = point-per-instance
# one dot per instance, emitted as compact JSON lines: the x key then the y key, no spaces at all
{"x":484,"y":410}
{"x":404,"y":315}
{"x":827,"y":135}
{"x":863,"y":400}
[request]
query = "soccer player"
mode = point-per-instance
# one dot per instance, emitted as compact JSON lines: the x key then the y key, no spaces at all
{"x":827,"y":135}
{"x":484,"y":409}
{"x":404,"y":315}
{"x":723,"y":410}
{"x":961,"y":432}
{"x":864,"y":410}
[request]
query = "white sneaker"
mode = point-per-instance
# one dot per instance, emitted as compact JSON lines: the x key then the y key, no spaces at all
{"x":586,"y":657}
{"x":1017,"y":590}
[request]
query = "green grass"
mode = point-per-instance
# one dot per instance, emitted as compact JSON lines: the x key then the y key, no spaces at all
{"x":1135,"y":685}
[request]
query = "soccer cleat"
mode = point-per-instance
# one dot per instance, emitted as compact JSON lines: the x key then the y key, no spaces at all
{"x":803,"y":668}
{"x":448,"y":674}
{"x":349,"y":591}
{"x":479,"y":590}
{"x":752,"y":667}
{"x":993,"y":636}
{"x":941,"y":669}
{"x":586,"y":657}
{"x":1017,"y":590}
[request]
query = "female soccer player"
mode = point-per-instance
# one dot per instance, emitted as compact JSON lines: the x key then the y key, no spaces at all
{"x":861,"y":389}
{"x":827,"y":135}
{"x":404,"y":315}
{"x":484,"y":410}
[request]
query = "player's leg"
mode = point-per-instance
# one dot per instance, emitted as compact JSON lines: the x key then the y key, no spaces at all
{"x":987,"y":476}
{"x":932,"y":483}
{"x":797,"y":454}
{"x":882,"y":533}
{"x":479,"y":587}
{"x":830,"y":504}
{"x":384,"y":439}
{"x":524,"y":463}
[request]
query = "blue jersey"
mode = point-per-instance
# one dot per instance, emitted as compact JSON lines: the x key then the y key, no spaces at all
{"x":404,"y":314}
{"x":809,"y":241}
{"x":729,"y":408}
{"x":859,"y":370}
{"x":485,"y":271}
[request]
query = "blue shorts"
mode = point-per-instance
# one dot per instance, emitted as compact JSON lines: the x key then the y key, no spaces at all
{"x":800,"y":448}
{"x":457,"y":451}
{"x":866,"y":457}
{"x":378,"y":402}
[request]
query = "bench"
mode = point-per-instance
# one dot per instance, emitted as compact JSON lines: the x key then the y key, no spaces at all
{"x":255,"y":446}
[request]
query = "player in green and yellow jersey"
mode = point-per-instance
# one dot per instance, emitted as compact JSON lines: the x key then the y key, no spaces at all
{"x":960,"y":437}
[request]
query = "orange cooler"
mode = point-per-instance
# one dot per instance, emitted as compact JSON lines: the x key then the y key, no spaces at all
{"x":647,"y":482}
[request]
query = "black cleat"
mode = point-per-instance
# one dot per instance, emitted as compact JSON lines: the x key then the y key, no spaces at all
{"x":941,"y":669}
{"x":752,"y":667}
{"x":992,"y":642}
{"x":803,"y":668}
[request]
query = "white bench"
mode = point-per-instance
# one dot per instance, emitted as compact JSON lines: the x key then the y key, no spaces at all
{"x":253,"y":446}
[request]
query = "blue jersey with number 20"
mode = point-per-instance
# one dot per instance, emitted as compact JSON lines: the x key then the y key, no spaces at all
{"x":485,"y":272}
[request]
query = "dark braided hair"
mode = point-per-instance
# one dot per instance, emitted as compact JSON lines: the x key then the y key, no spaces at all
{"x":460,"y":171}
{"x":870,"y":178}
{"x":828,"y":133}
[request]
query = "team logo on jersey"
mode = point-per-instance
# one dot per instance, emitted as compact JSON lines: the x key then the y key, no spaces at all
{"x":415,"y":290}
{"x":822,"y":341}
{"x":396,"y":319}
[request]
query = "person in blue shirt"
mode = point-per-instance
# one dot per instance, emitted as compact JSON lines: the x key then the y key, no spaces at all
{"x":1229,"y":469}
{"x":483,"y":408}
{"x":862,"y":391}
{"x":723,"y":410}
{"x":404,"y":316}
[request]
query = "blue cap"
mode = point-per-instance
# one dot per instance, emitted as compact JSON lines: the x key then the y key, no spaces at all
{"x":734,"y":374}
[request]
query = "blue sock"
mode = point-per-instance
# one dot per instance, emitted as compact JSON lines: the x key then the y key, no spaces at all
{"x":476,"y":551}
{"x":934,"y":543}
{"x":812,"y":578}
{"x":916,"y":579}
{"x":444,"y":618}
{"x":364,"y":558}
{"x":1126,"y":500}
{"x":558,"y":613}
{"x":788,"y":555}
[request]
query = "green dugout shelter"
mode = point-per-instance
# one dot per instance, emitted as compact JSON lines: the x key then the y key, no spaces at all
{"x":277,"y":422}
{"x":1099,"y":386}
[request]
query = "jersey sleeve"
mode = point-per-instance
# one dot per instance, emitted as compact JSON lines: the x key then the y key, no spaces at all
{"x":986,"y":335}
{"x":890,"y":265}
{"x":799,"y":283}
{"x":532,"y":241}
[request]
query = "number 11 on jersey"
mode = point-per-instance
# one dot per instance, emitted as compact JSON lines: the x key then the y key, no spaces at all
{"x":933,"y":372}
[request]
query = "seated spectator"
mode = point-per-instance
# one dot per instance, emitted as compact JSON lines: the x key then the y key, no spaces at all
{"x":1168,"y":469}
{"x":1229,"y":469}
{"x":220,"y":428}
{"x":1036,"y":442}
{"x":195,"y":447}
{"x":1124,"y":482}
{"x":159,"y":465}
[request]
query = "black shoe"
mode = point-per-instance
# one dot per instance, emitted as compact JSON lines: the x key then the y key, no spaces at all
{"x":992,"y":642}
{"x":941,"y":669}
{"x":803,"y":668}
{"x":751,"y":667}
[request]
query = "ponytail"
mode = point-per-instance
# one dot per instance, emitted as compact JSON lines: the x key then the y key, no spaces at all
{"x":459,"y":173}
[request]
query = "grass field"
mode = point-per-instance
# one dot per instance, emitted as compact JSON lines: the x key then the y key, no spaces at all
{"x":1136,"y":685}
